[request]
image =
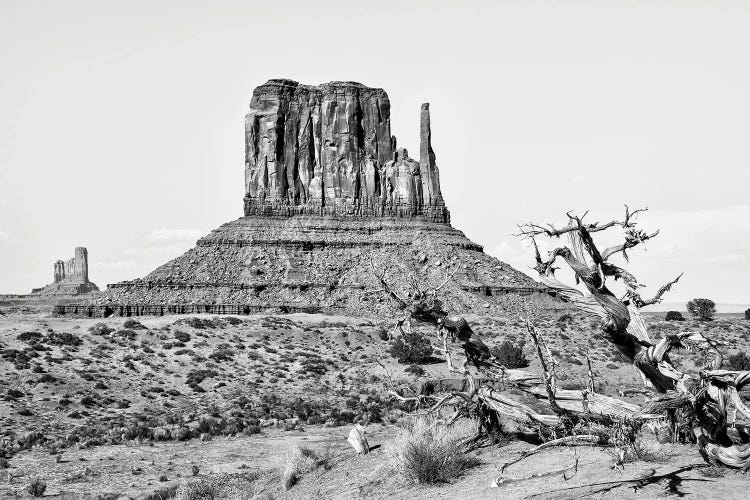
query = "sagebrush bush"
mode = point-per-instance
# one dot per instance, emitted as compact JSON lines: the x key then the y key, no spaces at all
{"x":510,"y":355}
{"x":747,"y":314}
{"x":427,"y":452}
{"x":411,"y":348}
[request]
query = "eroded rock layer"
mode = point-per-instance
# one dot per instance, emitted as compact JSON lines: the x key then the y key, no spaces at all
{"x":317,"y":263}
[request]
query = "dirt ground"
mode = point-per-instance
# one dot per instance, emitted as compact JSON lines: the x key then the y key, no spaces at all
{"x":137,"y":470}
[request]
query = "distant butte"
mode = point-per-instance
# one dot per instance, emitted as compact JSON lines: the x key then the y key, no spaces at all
{"x":70,"y":277}
{"x":328,"y":198}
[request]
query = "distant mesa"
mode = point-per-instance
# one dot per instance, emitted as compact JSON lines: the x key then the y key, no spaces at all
{"x":70,"y":277}
{"x":329,"y":197}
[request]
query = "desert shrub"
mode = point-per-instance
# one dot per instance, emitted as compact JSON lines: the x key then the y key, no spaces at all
{"x":163,"y":493}
{"x":739,"y":361}
{"x":63,"y":339}
{"x":127,"y":334}
{"x":20,"y":359}
{"x":314,"y":365}
{"x":301,"y":461}
{"x":674,"y":316}
{"x":638,"y":451}
{"x":14,"y":394}
{"x":133,"y":324}
{"x":30,"y":337}
{"x":383,"y":333}
{"x":747,"y":314}
{"x":702,"y":309}
{"x":101,"y":329}
{"x":182,"y":336}
{"x":416,"y":370}
{"x":428,"y":453}
{"x":222,"y":354}
{"x":195,"y":377}
{"x":411,"y":348}
{"x":510,"y":355}
{"x":36,"y":487}
{"x":136,"y":431}
{"x":201,"y":323}
{"x":218,"y":486}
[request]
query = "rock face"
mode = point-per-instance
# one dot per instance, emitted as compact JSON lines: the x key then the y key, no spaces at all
{"x":328,"y":150}
{"x":70,"y":277}
{"x":329,"y":199}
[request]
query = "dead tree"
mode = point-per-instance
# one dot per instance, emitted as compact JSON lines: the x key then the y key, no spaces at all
{"x":573,"y":413}
{"x":586,"y":416}
{"x":721,"y":439}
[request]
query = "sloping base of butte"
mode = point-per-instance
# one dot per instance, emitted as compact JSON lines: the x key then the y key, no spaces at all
{"x":329,"y":198}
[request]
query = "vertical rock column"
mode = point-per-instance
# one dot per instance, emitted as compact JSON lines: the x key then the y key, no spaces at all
{"x":81,"y":259}
{"x":59,"y":271}
{"x":427,"y":167}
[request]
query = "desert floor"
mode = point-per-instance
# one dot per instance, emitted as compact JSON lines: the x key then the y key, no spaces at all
{"x":96,"y":413}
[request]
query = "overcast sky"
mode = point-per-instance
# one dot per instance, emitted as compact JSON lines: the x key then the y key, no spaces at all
{"x":121,"y":123}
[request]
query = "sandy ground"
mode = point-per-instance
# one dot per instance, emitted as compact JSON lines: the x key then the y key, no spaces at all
{"x":134,"y":471}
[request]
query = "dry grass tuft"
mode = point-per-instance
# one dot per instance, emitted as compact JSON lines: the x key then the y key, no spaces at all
{"x":639,"y":451}
{"x":427,"y":452}
{"x":36,"y":487}
{"x":304,"y":460}
{"x":221,"y":486}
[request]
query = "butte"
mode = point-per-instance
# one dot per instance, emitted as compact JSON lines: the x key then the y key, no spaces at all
{"x":329,"y":201}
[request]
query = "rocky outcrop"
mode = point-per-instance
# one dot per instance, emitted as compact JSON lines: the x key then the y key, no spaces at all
{"x":59,"y":271}
{"x":329,"y":198}
{"x":70,"y":277}
{"x":328,"y":150}
{"x":75,"y":269}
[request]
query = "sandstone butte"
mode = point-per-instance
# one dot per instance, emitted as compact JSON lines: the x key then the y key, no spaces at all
{"x":328,"y":198}
{"x":70,"y":277}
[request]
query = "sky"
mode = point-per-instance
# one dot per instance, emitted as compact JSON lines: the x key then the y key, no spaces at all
{"x":122,"y":123}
